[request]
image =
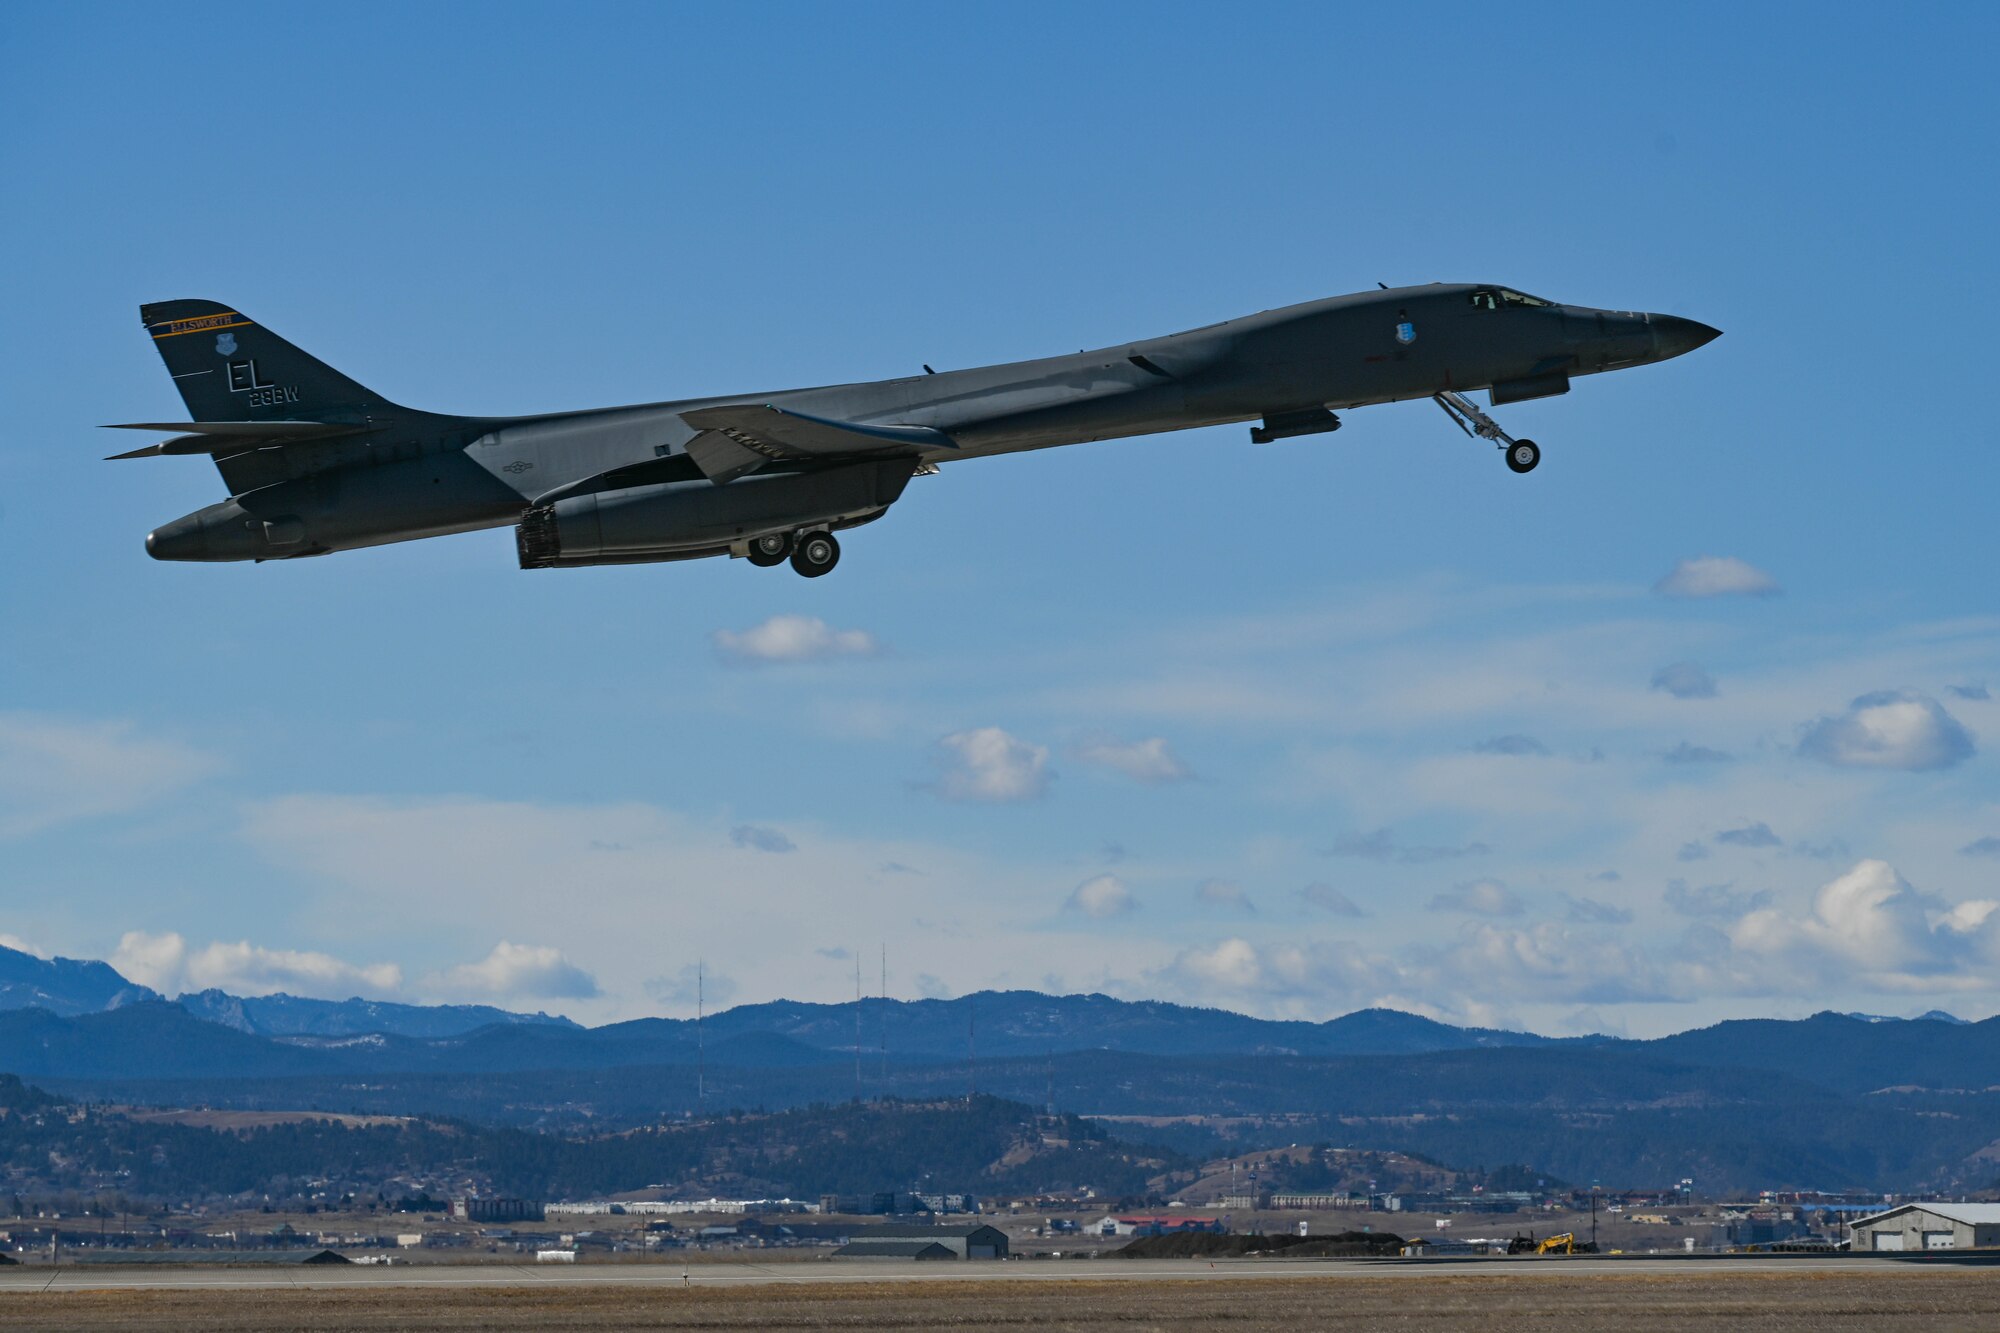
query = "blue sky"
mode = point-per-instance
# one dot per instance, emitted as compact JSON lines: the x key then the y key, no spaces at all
{"x":1697,"y":720}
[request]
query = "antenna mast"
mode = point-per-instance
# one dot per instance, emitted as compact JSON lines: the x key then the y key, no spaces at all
{"x":700,"y":1051}
{"x":885,"y":1013}
{"x":857,"y":1025}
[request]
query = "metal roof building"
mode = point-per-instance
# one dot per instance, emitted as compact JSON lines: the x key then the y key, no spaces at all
{"x":1929,"y":1226}
{"x":895,"y":1249}
{"x":229,"y":1258}
{"x":977,"y":1241}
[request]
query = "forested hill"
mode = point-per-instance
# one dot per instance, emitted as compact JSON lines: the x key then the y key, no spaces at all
{"x":983,"y":1146}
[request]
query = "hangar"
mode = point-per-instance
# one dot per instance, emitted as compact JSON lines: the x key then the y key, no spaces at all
{"x":1929,"y":1226}
{"x":916,"y":1242}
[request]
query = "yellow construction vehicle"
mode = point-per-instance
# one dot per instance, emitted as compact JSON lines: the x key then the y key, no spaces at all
{"x":1564,"y":1242}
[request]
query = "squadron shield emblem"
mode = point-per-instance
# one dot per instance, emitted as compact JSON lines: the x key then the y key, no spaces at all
{"x":225,"y":344}
{"x":1406,"y":333}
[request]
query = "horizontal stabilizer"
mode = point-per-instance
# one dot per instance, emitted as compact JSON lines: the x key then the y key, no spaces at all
{"x":228,"y":437}
{"x":742,"y":437}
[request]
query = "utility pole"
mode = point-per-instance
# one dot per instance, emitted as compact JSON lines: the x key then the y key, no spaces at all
{"x":857,"y":1025}
{"x":971,"y":1052}
{"x":885,"y":1014}
{"x":700,"y":1051}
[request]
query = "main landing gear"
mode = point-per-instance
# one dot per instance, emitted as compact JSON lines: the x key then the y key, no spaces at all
{"x":1522,"y":455}
{"x":770,"y":549}
{"x":811,"y":553}
{"x":815,"y":554}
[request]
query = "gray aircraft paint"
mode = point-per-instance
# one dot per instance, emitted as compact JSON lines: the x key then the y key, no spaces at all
{"x":316,"y":463}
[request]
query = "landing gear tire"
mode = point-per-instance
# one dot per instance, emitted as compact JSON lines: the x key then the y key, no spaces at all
{"x":1522,"y":455}
{"x":816,"y":554}
{"x":770,"y":549}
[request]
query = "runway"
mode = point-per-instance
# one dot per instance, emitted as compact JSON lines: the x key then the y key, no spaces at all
{"x":823,"y":1272}
{"x":1053,"y":1296}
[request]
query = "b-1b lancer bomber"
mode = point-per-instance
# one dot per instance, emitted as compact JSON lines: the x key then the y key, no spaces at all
{"x":316,"y":463}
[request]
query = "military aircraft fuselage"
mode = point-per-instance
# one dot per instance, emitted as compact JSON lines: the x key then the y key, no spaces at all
{"x":317,"y":464}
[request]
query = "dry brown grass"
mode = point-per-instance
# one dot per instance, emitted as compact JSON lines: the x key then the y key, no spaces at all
{"x":1890,"y":1302}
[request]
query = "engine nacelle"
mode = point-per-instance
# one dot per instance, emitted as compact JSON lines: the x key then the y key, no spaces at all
{"x":687,"y":518}
{"x":1535,"y":386}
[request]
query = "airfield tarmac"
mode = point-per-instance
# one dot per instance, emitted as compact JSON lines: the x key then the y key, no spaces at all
{"x":1252,"y":1296}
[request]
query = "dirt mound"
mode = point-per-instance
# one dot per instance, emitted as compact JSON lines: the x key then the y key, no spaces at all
{"x":1207,"y":1245}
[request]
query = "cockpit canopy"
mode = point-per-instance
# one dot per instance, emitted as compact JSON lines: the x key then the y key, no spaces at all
{"x":1495,"y":298}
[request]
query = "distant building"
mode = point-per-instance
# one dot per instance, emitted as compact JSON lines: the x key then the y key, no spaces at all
{"x":1310,"y":1202}
{"x":1929,"y":1226}
{"x":895,"y":1249}
{"x":497,"y":1210}
{"x":962,"y":1242}
{"x":896,"y":1203}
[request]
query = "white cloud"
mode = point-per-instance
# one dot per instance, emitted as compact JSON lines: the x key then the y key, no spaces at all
{"x":1716,"y":576}
{"x":167,"y":964}
{"x":1481,"y":897}
{"x":1329,"y":899}
{"x":1147,"y":761}
{"x":1232,"y":965}
{"x":629,"y":891}
{"x":515,"y":971}
{"x":1684,"y":680}
{"x":19,"y":945}
{"x":793,"y":639}
{"x":987,"y":764}
{"x":1223,"y":893}
{"x":1899,"y":729}
{"x":1870,"y":922}
{"x":1546,"y":962}
{"x":1100,"y":897}
{"x":56,"y":770}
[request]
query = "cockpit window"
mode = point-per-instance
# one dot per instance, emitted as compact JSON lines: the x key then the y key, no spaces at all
{"x":1493,"y":298}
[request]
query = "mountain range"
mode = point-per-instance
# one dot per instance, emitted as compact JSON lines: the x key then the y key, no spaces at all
{"x":1833,"y":1101}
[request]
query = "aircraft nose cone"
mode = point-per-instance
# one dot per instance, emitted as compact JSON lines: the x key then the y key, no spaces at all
{"x":1676,"y":336}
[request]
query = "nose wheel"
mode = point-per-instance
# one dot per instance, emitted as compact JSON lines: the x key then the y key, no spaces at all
{"x":816,"y":554}
{"x":1521,"y":455}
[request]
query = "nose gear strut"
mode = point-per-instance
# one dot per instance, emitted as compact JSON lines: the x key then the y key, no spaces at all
{"x":1522,"y":455}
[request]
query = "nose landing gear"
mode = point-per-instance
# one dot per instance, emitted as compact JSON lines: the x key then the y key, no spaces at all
{"x":1522,"y":455}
